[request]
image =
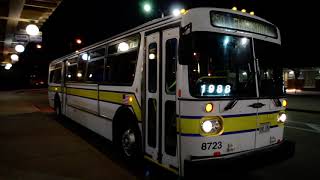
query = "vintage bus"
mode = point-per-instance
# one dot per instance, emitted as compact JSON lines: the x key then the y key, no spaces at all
{"x":180,"y":91}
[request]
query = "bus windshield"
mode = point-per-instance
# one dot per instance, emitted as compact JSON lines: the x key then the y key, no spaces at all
{"x":270,"y":69}
{"x":221,"y":66}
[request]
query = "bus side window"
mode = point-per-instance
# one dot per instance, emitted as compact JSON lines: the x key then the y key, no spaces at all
{"x":82,"y":65}
{"x":152,"y":74}
{"x":95,"y":71}
{"x":71,"y":74}
{"x":171,"y":65}
{"x":121,"y":61}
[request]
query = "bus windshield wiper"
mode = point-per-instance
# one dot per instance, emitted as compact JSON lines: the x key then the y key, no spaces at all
{"x":231,"y":104}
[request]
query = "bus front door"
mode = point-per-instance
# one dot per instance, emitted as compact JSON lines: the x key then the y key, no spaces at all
{"x":160,"y":99}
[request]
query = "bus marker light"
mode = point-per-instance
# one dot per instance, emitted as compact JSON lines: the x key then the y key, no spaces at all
{"x":209,"y":107}
{"x":217,"y":154}
{"x":284,"y":103}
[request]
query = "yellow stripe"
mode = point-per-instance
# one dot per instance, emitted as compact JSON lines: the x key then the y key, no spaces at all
{"x":116,"y":97}
{"x":54,"y":88}
{"x":168,"y":168}
{"x":234,"y":124}
{"x":92,"y":94}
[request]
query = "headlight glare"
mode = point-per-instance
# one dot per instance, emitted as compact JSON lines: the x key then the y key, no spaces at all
{"x":282,"y":117}
{"x":211,"y":126}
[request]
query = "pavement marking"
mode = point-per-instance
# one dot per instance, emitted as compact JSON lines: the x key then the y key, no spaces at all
{"x":309,"y":127}
{"x":314,"y":126}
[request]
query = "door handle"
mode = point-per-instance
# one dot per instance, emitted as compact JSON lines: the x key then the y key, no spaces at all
{"x":257,"y":105}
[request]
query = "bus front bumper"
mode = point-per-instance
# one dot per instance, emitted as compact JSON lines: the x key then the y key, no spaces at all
{"x":241,"y":161}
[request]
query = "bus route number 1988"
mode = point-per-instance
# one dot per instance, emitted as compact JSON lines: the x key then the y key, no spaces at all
{"x":211,"y":145}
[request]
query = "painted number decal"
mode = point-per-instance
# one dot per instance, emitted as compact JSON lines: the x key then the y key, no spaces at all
{"x":211,"y":145}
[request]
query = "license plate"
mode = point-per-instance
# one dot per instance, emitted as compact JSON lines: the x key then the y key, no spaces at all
{"x":264,"y":127}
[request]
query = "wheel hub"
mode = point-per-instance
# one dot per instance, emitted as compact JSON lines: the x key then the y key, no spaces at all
{"x":128,"y":142}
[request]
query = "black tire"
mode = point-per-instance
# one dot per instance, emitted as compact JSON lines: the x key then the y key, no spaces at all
{"x":128,"y":140}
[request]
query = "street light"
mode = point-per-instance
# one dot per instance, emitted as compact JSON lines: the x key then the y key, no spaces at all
{"x":78,"y":41}
{"x":32,"y":30}
{"x":39,"y":46}
{"x":19,"y":48}
{"x":147,"y":7}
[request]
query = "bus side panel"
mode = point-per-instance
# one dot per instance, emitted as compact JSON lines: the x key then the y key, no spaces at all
{"x":99,"y":125}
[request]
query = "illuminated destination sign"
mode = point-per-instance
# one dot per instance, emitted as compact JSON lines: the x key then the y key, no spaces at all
{"x":215,"y":90}
{"x":242,"y":23}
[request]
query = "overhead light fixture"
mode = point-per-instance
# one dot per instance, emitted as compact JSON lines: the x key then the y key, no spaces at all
{"x":8,"y":66}
{"x":32,"y":30}
{"x":19,"y":48}
{"x":14,"y":57}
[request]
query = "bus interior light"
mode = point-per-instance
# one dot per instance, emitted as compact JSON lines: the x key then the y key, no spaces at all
{"x":244,"y":10}
{"x":234,"y":8}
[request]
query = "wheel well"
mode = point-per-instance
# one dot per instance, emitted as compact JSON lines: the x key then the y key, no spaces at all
{"x":123,"y":115}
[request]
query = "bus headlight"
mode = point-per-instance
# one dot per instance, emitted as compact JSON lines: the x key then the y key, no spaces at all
{"x":282,"y":117}
{"x":211,"y":126}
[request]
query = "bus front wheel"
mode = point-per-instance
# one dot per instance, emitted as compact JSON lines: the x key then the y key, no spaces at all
{"x":129,"y":141}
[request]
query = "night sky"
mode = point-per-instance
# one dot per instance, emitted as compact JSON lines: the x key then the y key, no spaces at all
{"x":95,"y":20}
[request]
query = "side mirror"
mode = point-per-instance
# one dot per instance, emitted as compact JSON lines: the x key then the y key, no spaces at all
{"x":185,"y":49}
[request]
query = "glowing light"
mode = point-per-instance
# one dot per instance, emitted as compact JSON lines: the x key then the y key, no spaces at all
{"x":85,"y":57}
{"x":32,"y":30}
{"x":176,"y":12}
{"x":78,"y":41}
{"x":8,"y":66}
{"x":19,"y":48}
{"x":69,"y":75}
{"x":284,"y":103}
{"x":291,"y":72}
{"x":79,"y":75}
{"x":123,"y":47}
{"x":90,"y":76}
{"x":14,"y":57}
{"x":209,"y":107}
{"x":244,"y":41}
{"x":147,"y":8}
{"x":282,"y":118}
{"x":39,"y":46}
{"x":234,"y":8}
{"x":244,"y":73}
{"x":207,"y":126}
{"x":244,"y":10}
{"x":183,"y":11}
{"x":226,"y":41}
{"x":252,"y":13}
{"x":130,"y":99}
{"x":152,"y":56}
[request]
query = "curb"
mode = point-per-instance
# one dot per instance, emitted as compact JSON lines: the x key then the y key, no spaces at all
{"x":303,"y":110}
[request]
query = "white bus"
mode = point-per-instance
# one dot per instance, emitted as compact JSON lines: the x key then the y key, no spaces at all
{"x":181,"y":91}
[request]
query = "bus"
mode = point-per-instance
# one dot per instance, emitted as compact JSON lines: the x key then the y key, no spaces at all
{"x":182,"y":91}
